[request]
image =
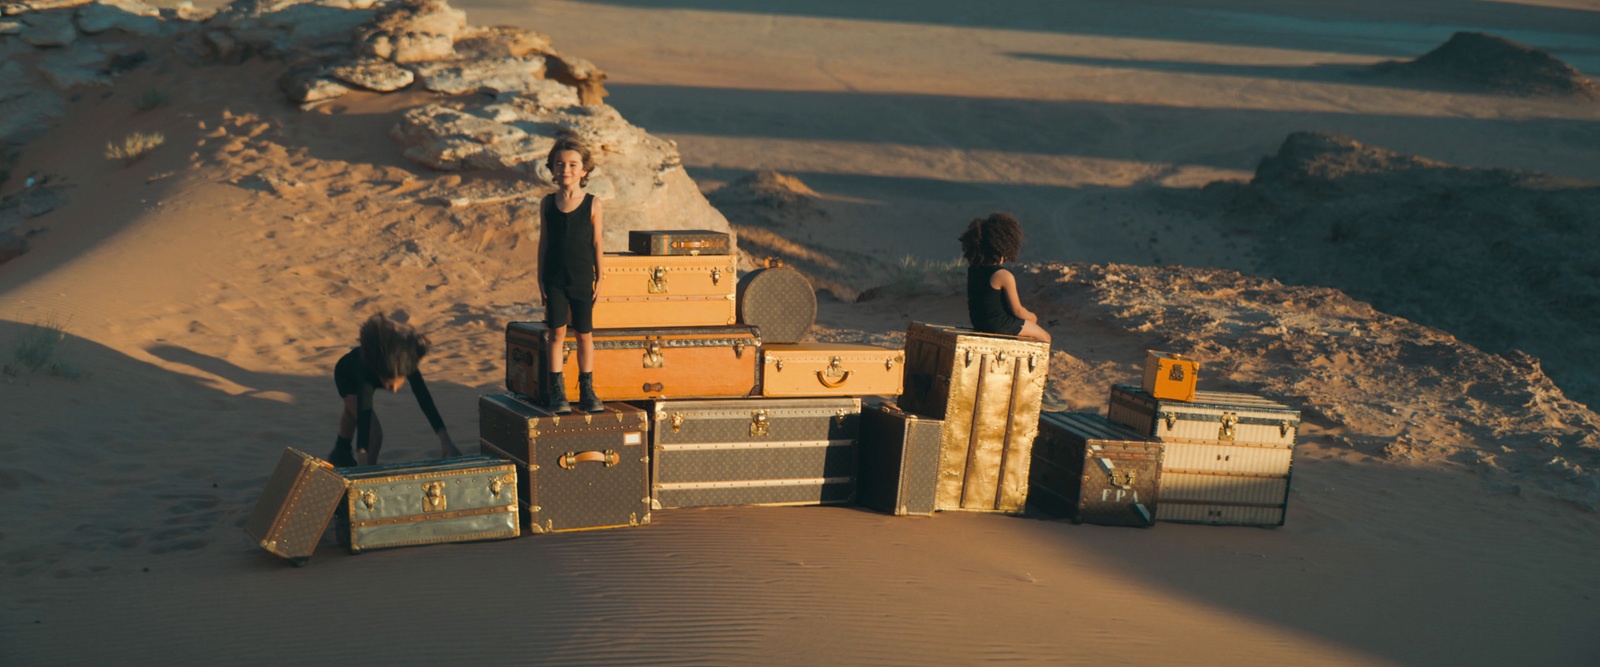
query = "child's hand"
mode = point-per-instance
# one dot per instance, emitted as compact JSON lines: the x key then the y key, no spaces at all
{"x":597,"y":283}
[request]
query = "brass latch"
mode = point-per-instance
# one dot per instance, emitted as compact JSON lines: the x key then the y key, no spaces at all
{"x":433,"y":499}
{"x":658,"y":280}
{"x":888,"y":364}
{"x":1176,"y":374}
{"x":968,"y":361}
{"x":1122,"y":478}
{"x":652,"y":355}
{"x":758,"y":423}
{"x":677,"y":421}
{"x":716,"y":275}
{"x":369,"y":499}
{"x":1172,"y":420}
{"x":1228,"y":421}
{"x":1283,"y":428}
{"x":838,"y":417}
{"x":495,"y":486}
{"x":777,"y":364}
{"x":738,"y":349}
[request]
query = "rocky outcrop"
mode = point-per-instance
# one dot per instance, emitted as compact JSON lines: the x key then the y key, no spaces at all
{"x":412,"y":31}
{"x":133,"y":18}
{"x":51,"y":28}
{"x":1481,"y":62}
{"x":373,"y":74}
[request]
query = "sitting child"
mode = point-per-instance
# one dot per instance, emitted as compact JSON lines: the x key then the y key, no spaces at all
{"x":992,"y":300}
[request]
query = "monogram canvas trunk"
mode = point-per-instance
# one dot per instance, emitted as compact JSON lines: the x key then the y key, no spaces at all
{"x":778,"y":301}
{"x":634,"y":364}
{"x":780,"y":451}
{"x":678,"y":242}
{"x":987,"y":389}
{"x":1093,"y":470}
{"x":1228,"y":456}
{"x":830,"y":369}
{"x":576,"y":471}
{"x":899,"y":460}
{"x":462,"y":499}
{"x":295,"y":508}
{"x":667,"y":291}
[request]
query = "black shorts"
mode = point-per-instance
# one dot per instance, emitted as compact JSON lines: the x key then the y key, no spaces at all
{"x":1007,"y":325}
{"x":563,"y":305}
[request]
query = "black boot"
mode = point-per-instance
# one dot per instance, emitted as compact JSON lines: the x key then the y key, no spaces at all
{"x":556,"y":395}
{"x":341,"y":457}
{"x":587,"y":401}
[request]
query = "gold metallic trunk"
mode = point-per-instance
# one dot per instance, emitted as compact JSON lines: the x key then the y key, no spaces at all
{"x":987,"y":389}
{"x":428,"y":502}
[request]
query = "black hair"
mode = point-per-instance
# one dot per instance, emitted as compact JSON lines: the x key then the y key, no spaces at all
{"x":571,"y":144}
{"x":391,"y":350}
{"x":992,"y":240}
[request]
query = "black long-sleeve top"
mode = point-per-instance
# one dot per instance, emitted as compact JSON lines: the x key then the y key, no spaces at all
{"x":354,"y":378}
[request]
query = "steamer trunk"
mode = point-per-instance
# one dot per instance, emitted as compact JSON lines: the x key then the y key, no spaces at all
{"x":778,"y":301}
{"x":785,"y":451}
{"x":1092,"y":470}
{"x":674,"y":291}
{"x":830,"y":369}
{"x":1228,"y":457}
{"x":634,"y":364}
{"x":677,"y":242}
{"x":987,"y":389}
{"x":574,"y":472}
{"x":464,"y":499}
{"x":899,"y":461}
{"x":295,"y":508}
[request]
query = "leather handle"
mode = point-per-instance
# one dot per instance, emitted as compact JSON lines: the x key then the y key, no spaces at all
{"x":821,"y":377}
{"x":572,"y":459}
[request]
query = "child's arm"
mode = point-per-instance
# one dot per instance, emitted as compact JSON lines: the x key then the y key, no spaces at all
{"x":1003,"y":280}
{"x":544,"y":233}
{"x":596,"y":215}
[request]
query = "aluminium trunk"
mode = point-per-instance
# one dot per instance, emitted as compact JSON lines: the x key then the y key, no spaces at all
{"x":1228,"y":456}
{"x":987,"y":389}
{"x":830,"y":369}
{"x":774,"y":451}
{"x":661,"y":242}
{"x":673,"y":291}
{"x":574,"y":472}
{"x":1093,"y":470}
{"x":778,"y":301}
{"x":899,"y":460}
{"x":295,"y":508}
{"x":463,"y":499}
{"x":636,"y":364}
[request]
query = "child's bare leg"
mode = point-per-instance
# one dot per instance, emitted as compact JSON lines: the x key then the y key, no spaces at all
{"x":558,"y":339}
{"x":586,"y":352}
{"x":374,"y":441}
{"x":1033,"y":331}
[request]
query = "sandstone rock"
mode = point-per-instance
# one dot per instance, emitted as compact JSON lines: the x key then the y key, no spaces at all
{"x":318,"y":28}
{"x":372,"y":74}
{"x":49,"y":28}
{"x":500,"y":42}
{"x":1489,"y":63}
{"x":580,"y":74}
{"x":412,"y":31}
{"x":309,"y":84}
{"x":504,"y":75}
{"x":11,"y":27}
{"x":134,"y":18}
{"x":13,"y":8}
{"x":79,"y":65}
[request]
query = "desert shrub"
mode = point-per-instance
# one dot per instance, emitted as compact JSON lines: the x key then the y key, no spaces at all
{"x":38,"y":350}
{"x":134,"y":146}
{"x":150,"y":99}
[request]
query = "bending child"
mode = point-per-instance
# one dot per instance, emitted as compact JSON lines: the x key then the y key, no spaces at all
{"x":992,"y":300}
{"x":570,"y":270}
{"x":388,"y":357}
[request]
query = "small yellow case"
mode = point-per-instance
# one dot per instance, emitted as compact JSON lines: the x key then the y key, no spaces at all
{"x":1169,"y":375}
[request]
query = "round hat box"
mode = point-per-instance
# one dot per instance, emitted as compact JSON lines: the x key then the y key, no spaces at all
{"x":779,"y":301}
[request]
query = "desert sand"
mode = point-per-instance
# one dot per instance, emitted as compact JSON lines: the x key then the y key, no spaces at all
{"x":1443,"y":509}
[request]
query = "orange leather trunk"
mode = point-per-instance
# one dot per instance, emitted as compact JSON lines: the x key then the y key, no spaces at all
{"x":667,"y":291}
{"x":638,"y":364}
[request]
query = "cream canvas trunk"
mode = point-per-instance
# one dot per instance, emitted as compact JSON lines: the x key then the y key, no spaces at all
{"x":1228,"y":457}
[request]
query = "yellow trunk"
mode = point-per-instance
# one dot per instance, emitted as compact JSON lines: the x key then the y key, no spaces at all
{"x":666,"y":291}
{"x":829,"y":369}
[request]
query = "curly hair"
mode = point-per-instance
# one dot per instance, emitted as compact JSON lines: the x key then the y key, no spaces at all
{"x":571,"y":144}
{"x":992,"y":240}
{"x":391,"y":350}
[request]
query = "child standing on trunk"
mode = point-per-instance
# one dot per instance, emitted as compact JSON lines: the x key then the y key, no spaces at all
{"x":570,"y":270}
{"x":992,"y":301}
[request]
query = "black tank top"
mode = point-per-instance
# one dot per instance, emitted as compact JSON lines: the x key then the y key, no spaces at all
{"x":569,"y":252}
{"x":987,"y":306}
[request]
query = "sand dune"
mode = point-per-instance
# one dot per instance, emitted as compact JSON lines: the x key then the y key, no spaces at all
{"x":207,"y":290}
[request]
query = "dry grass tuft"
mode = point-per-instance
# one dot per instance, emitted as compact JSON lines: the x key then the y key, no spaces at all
{"x":134,"y":146}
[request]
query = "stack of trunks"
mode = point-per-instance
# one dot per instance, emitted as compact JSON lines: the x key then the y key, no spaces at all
{"x":1168,"y":452}
{"x":711,"y":397}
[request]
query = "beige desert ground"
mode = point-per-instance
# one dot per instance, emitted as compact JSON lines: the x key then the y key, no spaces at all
{"x":1429,"y":311}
